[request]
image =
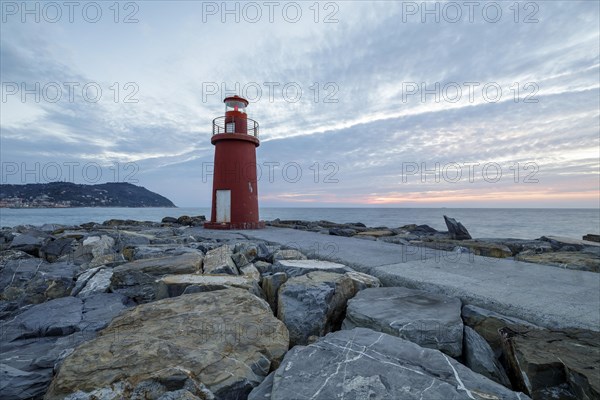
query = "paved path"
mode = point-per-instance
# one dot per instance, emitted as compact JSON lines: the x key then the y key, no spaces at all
{"x":548,"y":296}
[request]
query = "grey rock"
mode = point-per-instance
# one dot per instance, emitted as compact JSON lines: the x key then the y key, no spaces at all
{"x":219,"y":261}
{"x":138,"y":279}
{"x":270,"y":287}
{"x":342,"y":232}
{"x":228,"y":340}
{"x":363,"y":281}
{"x":363,"y":364}
{"x":480,"y":358}
{"x":313,"y":304}
{"x":288,"y":254}
{"x":18,"y":384}
{"x":428,"y":319}
{"x":30,"y":243}
{"x":53,"y":249}
{"x":456,"y":229}
{"x":251,"y":272}
{"x":240,"y":259}
{"x":302,"y":267}
{"x":36,"y":341}
{"x":263,"y":267}
{"x":263,"y":391}
{"x":98,"y":283}
{"x":33,"y":281}
{"x":139,"y":252}
{"x":487,"y":324}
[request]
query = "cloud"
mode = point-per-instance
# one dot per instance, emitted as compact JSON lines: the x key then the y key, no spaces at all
{"x":362,"y":117}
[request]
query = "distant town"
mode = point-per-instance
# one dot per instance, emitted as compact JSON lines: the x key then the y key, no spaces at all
{"x":66,"y":195}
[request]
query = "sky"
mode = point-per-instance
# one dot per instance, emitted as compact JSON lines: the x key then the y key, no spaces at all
{"x":378,"y":104}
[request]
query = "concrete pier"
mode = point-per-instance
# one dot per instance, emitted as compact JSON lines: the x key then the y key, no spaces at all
{"x":548,"y":296}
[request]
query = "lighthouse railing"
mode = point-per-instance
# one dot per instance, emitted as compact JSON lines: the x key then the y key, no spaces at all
{"x":221,"y":126}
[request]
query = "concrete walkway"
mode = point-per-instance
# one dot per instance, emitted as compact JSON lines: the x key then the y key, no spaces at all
{"x":548,"y":296}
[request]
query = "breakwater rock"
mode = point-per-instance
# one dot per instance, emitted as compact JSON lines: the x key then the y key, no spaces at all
{"x":142,"y":310}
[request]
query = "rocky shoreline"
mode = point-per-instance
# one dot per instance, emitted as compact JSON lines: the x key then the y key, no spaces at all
{"x":146,"y":310}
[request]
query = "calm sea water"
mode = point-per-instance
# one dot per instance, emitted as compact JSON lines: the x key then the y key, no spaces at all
{"x":481,"y":222}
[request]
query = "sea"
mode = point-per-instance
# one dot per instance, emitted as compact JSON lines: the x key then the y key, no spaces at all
{"x":522,"y":223}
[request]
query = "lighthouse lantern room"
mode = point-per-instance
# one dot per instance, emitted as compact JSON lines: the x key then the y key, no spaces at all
{"x":235,"y":186}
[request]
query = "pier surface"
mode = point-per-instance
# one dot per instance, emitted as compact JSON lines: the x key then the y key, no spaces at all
{"x":548,"y":296}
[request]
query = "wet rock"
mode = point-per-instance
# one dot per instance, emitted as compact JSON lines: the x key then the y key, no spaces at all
{"x":301,"y":267}
{"x":428,"y":319}
{"x":541,"y":361}
{"x":456,"y":230}
{"x":313,"y":304}
{"x":480,"y":358}
{"x":219,"y":261}
{"x":227,"y":340}
{"x":169,"y":220}
{"x":364,"y":364}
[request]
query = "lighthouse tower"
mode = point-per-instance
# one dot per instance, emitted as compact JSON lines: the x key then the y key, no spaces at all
{"x":235,"y":189}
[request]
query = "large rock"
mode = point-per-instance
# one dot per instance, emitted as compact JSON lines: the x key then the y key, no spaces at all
{"x":288,"y":254}
{"x":363,"y":364}
{"x":132,"y":253}
{"x":228,"y":340}
{"x":542,"y":361}
{"x":137,"y":279}
{"x":219,"y":261}
{"x":428,"y":319}
{"x":313,"y":304}
{"x":480,"y":358}
{"x":488,"y":323}
{"x":94,"y":246}
{"x":35,"y":342}
{"x":30,"y":242}
{"x":456,"y":230}
{"x":99,"y":282}
{"x":363,"y":281}
{"x":176,"y":285}
{"x":270,"y":286}
{"x":33,"y":281}
{"x":53,"y":249}
{"x":301,"y":267}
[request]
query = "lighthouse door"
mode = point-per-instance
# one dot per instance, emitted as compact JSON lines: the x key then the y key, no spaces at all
{"x":223,"y":205}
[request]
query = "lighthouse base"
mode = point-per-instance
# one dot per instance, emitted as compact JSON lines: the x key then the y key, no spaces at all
{"x":234,"y":225}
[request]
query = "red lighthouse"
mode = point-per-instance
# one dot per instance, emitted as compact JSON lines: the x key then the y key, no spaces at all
{"x":235,"y":188}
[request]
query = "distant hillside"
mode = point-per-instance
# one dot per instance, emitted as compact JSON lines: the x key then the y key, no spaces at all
{"x":64,"y":194}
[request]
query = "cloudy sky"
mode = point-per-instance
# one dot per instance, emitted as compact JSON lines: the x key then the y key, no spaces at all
{"x":450,"y":104}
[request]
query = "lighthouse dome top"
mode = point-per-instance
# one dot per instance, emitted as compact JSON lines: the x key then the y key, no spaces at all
{"x":235,"y":102}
